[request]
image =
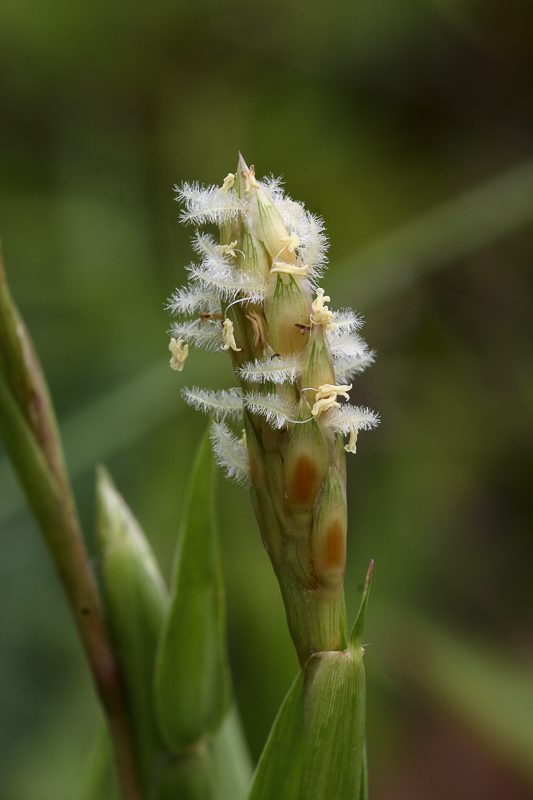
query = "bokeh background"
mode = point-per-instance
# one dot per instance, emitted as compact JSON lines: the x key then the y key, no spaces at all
{"x":409,"y":127}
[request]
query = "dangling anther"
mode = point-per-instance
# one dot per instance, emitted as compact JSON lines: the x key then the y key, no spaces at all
{"x":288,"y":269}
{"x":259,"y":330}
{"x":229,"y":182}
{"x":303,"y":328}
{"x":250,"y":180}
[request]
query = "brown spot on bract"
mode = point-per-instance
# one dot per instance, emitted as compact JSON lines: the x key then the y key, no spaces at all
{"x":334,"y":550}
{"x":305,"y":482}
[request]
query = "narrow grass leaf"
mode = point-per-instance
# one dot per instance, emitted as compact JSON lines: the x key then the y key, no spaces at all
{"x":192,"y":674}
{"x":232,"y":764}
{"x":279,"y":772}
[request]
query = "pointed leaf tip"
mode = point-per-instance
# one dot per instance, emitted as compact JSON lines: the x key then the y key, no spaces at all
{"x":356,"y":636}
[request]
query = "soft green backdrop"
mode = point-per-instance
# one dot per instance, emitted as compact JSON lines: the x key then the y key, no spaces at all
{"x":408,"y":125}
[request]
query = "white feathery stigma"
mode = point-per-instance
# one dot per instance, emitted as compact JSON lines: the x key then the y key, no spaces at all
{"x":230,"y":453}
{"x":209,"y":204}
{"x":276,"y":369}
{"x":347,"y":368}
{"x":221,"y":404}
{"x":276,"y":411}
{"x":347,"y":418}
{"x":206,"y":334}
{"x":187,"y":301}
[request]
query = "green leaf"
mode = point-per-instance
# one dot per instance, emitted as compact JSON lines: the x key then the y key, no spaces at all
{"x":216,"y":770}
{"x":356,"y":636}
{"x":188,"y":777}
{"x":363,"y":791}
{"x":96,"y":778}
{"x":231,"y":759}
{"x":136,"y":600}
{"x":335,"y":726}
{"x":192,"y":677}
{"x":279,"y":772}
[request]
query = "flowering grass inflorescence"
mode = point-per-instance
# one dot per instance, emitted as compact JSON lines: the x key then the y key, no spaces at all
{"x":294,"y":358}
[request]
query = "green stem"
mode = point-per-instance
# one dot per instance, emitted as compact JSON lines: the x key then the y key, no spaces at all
{"x":58,"y":520}
{"x":316,"y":622}
{"x":29,"y":430}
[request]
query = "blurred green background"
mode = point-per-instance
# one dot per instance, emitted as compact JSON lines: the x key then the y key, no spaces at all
{"x":408,"y":125}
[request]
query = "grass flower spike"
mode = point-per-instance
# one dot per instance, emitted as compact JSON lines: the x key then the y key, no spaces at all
{"x":254,"y":294}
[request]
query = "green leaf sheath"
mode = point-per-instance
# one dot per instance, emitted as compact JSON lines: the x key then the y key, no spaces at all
{"x":335,"y":701}
{"x":136,"y":601}
{"x":192,"y":675}
{"x":363,"y":791}
{"x":280,"y":768}
{"x":335,"y":726}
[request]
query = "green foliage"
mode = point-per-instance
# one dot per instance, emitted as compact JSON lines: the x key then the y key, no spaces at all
{"x":136,"y":600}
{"x":192,"y":677}
{"x":280,"y":768}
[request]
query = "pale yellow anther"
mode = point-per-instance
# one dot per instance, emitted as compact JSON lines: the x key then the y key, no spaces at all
{"x":229,"y":182}
{"x":350,"y":447}
{"x":326,"y":397}
{"x":227,"y":249}
{"x":321,"y":314}
{"x":179,"y":351}
{"x":242,"y":440}
{"x":289,"y":269}
{"x":228,"y":336}
{"x":291,"y":242}
{"x":250,"y":180}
